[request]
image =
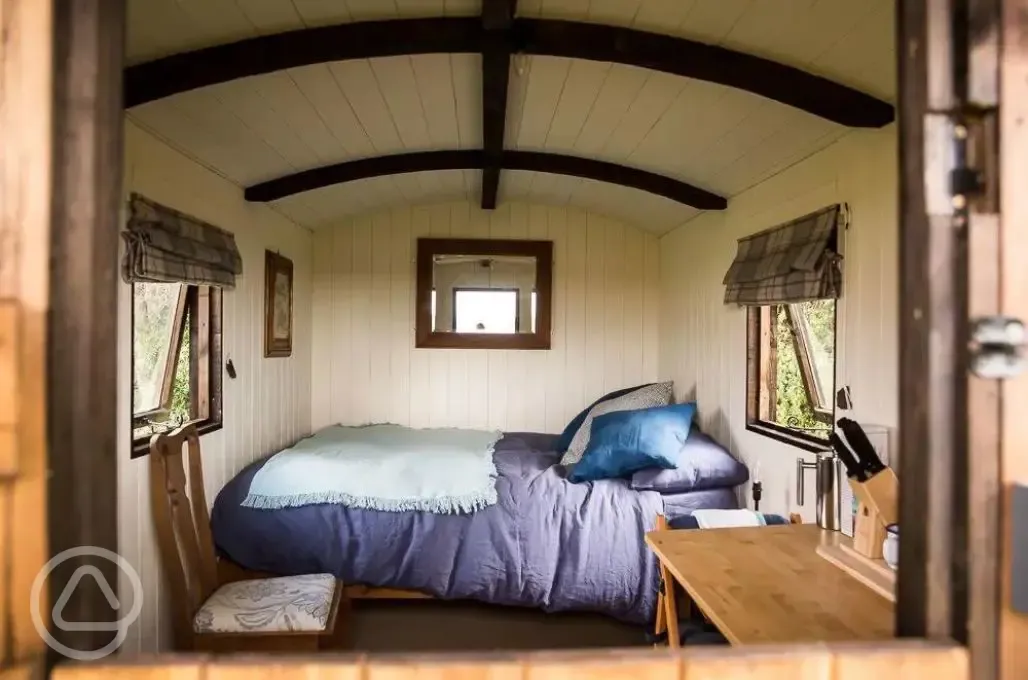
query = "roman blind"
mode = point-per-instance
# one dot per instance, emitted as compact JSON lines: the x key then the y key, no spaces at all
{"x":164,"y":245}
{"x":793,"y":262}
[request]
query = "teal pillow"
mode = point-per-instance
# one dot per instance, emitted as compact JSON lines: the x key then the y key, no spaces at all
{"x":569,"y":432}
{"x":623,"y":442}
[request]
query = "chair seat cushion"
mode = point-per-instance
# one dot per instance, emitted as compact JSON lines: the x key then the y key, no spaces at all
{"x":285,"y":603}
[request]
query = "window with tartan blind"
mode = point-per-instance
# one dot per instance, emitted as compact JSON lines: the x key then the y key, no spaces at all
{"x":789,"y":278}
{"x":177,"y":266}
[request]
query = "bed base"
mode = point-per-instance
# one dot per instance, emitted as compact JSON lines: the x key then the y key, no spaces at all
{"x":229,"y":571}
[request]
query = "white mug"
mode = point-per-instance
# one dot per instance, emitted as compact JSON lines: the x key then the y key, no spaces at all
{"x":891,"y":545}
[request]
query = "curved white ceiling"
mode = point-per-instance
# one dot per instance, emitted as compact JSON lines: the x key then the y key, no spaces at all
{"x":714,"y":137}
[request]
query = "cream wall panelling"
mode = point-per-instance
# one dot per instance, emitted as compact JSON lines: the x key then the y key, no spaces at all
{"x":605,"y":325}
{"x":703,"y":341}
{"x":266,"y":407}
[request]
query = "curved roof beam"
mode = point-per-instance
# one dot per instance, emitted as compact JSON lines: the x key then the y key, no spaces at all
{"x":475,"y":159}
{"x":362,"y":40}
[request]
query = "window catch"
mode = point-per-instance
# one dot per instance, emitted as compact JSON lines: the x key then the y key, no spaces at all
{"x":997,"y":347}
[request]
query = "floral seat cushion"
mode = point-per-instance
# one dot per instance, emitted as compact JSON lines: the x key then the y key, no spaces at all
{"x":286,"y":603}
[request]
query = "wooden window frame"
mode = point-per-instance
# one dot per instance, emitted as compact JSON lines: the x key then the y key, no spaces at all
{"x":202,"y":305}
{"x":760,"y":370}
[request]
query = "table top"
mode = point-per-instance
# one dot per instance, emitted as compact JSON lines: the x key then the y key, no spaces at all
{"x":768,"y":585}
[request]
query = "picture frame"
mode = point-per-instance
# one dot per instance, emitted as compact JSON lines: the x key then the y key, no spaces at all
{"x":278,"y":305}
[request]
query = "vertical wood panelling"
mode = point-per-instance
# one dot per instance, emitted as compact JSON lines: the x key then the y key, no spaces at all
{"x":600,"y":268}
{"x":401,"y":304}
{"x":268,"y":405}
{"x":702,"y":341}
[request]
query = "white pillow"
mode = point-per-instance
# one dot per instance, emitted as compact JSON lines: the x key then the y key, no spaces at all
{"x":658,"y":394}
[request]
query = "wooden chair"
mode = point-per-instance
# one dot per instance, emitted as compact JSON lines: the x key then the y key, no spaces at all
{"x":287,"y":613}
{"x":667,"y":603}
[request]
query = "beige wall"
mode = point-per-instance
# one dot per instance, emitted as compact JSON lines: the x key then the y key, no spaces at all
{"x":703,"y":342}
{"x":605,"y":326}
{"x":266,"y":407}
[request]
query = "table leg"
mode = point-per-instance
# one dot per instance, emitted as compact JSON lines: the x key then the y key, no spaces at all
{"x":670,"y":607}
{"x":661,"y":626}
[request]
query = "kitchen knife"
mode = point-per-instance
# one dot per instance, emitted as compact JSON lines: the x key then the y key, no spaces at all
{"x":861,"y":446}
{"x":849,"y":460}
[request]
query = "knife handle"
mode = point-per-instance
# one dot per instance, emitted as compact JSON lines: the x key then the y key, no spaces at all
{"x":862,"y":446}
{"x":849,"y":460}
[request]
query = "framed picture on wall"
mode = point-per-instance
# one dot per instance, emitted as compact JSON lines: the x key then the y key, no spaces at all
{"x":278,"y":305}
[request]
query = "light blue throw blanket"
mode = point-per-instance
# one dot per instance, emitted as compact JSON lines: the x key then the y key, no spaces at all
{"x":382,"y":467}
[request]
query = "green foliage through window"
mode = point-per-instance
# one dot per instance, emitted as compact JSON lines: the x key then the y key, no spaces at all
{"x":162,"y":317}
{"x":800,"y":399}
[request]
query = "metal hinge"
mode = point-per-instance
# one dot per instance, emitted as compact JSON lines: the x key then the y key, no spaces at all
{"x":997,"y":347}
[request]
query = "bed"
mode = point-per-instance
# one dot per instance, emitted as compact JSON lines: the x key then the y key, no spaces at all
{"x":546,"y":543}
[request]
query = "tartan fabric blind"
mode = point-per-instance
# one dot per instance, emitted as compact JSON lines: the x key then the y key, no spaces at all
{"x":793,"y":262}
{"x":164,"y":245}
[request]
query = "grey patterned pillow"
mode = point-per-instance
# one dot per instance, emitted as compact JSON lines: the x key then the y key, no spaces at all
{"x":657,"y":394}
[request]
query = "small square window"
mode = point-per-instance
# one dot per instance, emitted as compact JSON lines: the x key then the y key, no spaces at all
{"x":791,"y":370}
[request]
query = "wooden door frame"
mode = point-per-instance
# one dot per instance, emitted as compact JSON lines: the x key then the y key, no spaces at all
{"x":66,"y":170}
{"x":82,"y":358}
{"x":1013,"y":301}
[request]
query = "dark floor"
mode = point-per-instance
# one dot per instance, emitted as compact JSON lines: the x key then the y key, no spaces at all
{"x":432,"y":625}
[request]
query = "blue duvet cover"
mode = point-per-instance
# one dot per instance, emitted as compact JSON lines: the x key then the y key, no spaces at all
{"x":546,"y":543}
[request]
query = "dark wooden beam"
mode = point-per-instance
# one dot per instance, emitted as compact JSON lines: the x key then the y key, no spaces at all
{"x":786,"y":84}
{"x":497,"y":17}
{"x":602,"y":171}
{"x":362,"y":40}
{"x":364,"y":168}
{"x":467,"y":159}
{"x":268,"y":53}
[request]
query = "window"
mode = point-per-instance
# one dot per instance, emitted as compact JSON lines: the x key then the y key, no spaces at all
{"x":176,"y":359}
{"x":791,"y":371}
{"x":485,"y":310}
{"x":534,"y":303}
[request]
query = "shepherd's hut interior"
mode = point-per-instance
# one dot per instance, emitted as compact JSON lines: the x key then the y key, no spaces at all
{"x":461,"y":299}
{"x":511,"y":325}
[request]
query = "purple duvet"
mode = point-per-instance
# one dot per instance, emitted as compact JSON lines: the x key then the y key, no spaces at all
{"x":546,"y":543}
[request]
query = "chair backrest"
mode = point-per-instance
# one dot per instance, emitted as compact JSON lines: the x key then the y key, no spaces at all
{"x":183,"y":525}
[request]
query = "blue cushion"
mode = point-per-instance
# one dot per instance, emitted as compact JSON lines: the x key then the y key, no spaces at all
{"x":625,"y":441}
{"x":701,"y":464}
{"x":564,"y":441}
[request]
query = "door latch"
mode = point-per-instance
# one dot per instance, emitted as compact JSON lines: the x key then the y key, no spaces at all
{"x":997,"y":347}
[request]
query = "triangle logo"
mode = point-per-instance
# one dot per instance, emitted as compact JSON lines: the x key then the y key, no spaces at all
{"x":73,"y":582}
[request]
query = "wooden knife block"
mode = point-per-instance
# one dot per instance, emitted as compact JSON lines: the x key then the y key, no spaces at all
{"x":876,"y":509}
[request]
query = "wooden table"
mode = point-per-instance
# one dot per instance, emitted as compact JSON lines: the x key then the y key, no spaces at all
{"x":767,"y":584}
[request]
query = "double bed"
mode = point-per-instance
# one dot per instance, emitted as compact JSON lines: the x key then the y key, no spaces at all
{"x":546,"y":543}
